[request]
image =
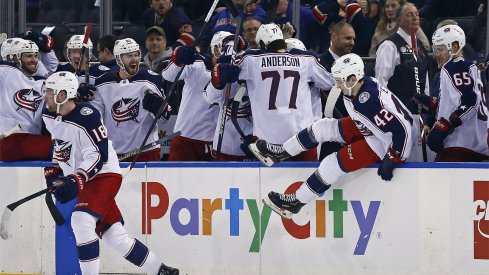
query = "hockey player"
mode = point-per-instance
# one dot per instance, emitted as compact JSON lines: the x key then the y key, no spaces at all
{"x":196,"y":118}
{"x":89,"y":170}
{"x":125,"y":98}
{"x":286,"y":108}
{"x":378,"y":130}
{"x":74,"y":48}
{"x":22,"y":102}
{"x":460,"y":132}
{"x":236,"y":138}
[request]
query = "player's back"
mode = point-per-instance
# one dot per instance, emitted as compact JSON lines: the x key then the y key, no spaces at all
{"x":278,"y":87}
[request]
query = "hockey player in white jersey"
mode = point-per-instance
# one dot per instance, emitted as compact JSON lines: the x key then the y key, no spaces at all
{"x":196,"y":118}
{"x":238,"y":130}
{"x":74,"y":48}
{"x":278,"y":86}
{"x":89,"y":170}
{"x":126,"y":100}
{"x":21,"y":104}
{"x":378,"y":130}
{"x":460,"y":133}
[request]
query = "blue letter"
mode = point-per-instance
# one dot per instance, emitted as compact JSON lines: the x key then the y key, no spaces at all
{"x":365,"y":224}
{"x":234,"y":204}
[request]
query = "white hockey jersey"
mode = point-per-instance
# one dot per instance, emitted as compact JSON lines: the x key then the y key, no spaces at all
{"x":80,"y":142}
{"x":196,"y":117}
{"x":21,"y":100}
{"x":382,"y":119}
{"x":460,"y":92}
{"x":231,"y":140}
{"x":94,"y":71}
{"x":278,"y":87}
{"x":121,"y":104}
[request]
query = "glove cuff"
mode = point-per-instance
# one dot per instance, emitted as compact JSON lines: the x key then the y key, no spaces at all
{"x":186,"y":39}
{"x":352,"y":10}
{"x":216,"y":77}
{"x":455,"y":120}
{"x":174,"y":56}
{"x":394,"y":156}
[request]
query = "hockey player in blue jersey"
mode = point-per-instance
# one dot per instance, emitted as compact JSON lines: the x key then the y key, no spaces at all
{"x":378,"y":130}
{"x":89,"y":170}
{"x":460,"y":133}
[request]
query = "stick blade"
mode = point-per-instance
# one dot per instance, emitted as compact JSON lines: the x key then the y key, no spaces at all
{"x":4,"y":225}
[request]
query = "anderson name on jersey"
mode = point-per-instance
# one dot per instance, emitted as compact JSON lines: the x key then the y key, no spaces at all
{"x":80,"y":142}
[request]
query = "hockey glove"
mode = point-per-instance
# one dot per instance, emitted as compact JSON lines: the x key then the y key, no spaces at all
{"x":51,"y":174}
{"x":287,"y":30}
{"x":229,"y":41}
{"x":85,"y":92}
{"x":351,"y":10}
{"x":152,"y":102}
{"x":185,"y":39}
{"x":44,"y":42}
{"x":224,"y":73}
{"x":388,"y":164}
{"x":441,"y":130}
{"x":184,"y":55}
{"x":429,"y":103}
{"x":68,"y":187}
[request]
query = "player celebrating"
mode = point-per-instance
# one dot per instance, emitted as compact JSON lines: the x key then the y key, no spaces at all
{"x":22,"y":103}
{"x":460,"y":106}
{"x":89,"y":170}
{"x":124,"y":99}
{"x":379,"y":129}
{"x":286,"y":108}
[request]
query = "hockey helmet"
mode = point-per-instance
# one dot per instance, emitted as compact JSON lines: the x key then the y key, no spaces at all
{"x":76,"y":42}
{"x":447,"y":35}
{"x":217,"y":40}
{"x":20,"y":46}
{"x":6,"y":49}
{"x":122,"y":46}
{"x":346,"y":66}
{"x":62,"y":81}
{"x":294,"y":43}
{"x":267,"y":33}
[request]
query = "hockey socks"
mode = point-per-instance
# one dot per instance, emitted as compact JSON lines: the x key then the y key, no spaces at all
{"x":301,"y":142}
{"x":312,"y":188}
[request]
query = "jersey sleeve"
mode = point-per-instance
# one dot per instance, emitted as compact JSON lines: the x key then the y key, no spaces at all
{"x":94,"y":144}
{"x":212,"y":95}
{"x":49,"y":60}
{"x":320,"y":76}
{"x":171,"y":71}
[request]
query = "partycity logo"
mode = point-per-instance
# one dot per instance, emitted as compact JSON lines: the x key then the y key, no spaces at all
{"x":338,"y":208}
{"x":481,"y":220}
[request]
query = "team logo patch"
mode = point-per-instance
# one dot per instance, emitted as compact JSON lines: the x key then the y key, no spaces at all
{"x":363,"y":129}
{"x":62,"y":150}
{"x":86,"y":111}
{"x":126,"y":109}
{"x":363,"y":97}
{"x":28,"y":99}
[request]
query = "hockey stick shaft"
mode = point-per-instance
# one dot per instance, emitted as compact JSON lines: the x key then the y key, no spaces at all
{"x":235,"y":13}
{"x":172,"y":88}
{"x":147,"y":146}
{"x":10,"y":131}
{"x":57,"y":217}
{"x":88,"y":30}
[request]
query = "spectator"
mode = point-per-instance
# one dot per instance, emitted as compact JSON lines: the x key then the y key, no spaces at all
{"x":224,"y":21}
{"x":172,"y":20}
{"x":159,"y":54}
{"x":364,"y":28}
{"x":105,"y":51}
{"x":388,"y":26}
{"x":250,"y":27}
{"x":402,"y":70}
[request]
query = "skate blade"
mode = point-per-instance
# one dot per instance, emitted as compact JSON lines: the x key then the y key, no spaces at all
{"x":282,"y":212}
{"x":263,"y":159}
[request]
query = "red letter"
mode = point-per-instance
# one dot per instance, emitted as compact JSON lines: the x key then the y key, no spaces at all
{"x":295,"y":230}
{"x":155,"y":212}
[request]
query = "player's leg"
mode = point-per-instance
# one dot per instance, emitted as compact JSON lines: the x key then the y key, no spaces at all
{"x":350,"y":158}
{"x":87,"y":241}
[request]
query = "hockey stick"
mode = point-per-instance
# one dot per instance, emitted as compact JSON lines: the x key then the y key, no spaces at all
{"x":238,"y":98}
{"x":333,"y":96}
{"x":172,"y":88}
{"x":235,"y":13}
{"x":418,"y":90}
{"x":147,"y":146}
{"x":7,"y":212}
{"x":88,"y":30}
{"x":57,"y":217}
{"x":10,"y":131}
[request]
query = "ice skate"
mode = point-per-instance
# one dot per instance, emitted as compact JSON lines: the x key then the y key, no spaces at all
{"x":268,"y":153}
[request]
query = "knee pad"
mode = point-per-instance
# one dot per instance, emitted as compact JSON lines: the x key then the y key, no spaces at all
{"x":329,"y":169}
{"x":327,"y":129}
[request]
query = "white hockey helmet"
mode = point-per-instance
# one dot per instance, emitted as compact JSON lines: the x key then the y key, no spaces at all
{"x":294,"y":43}
{"x":122,"y":46}
{"x":268,"y":33}
{"x":346,"y":66}
{"x":20,"y":46}
{"x":217,"y":40}
{"x":6,"y":49}
{"x":62,"y":81}
{"x":448,"y":34}
{"x":76,"y":42}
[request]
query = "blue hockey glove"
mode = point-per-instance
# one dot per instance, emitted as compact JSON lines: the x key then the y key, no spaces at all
{"x":438,"y":133}
{"x":85,"y":92}
{"x":152,"y":102}
{"x":44,"y":42}
{"x":184,"y":55}
{"x":388,"y":164}
{"x":224,"y":73}
{"x":51,"y":174}
{"x":67,"y":188}
{"x":429,"y":103}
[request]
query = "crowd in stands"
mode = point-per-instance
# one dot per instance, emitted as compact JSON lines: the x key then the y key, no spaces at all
{"x":160,"y":27}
